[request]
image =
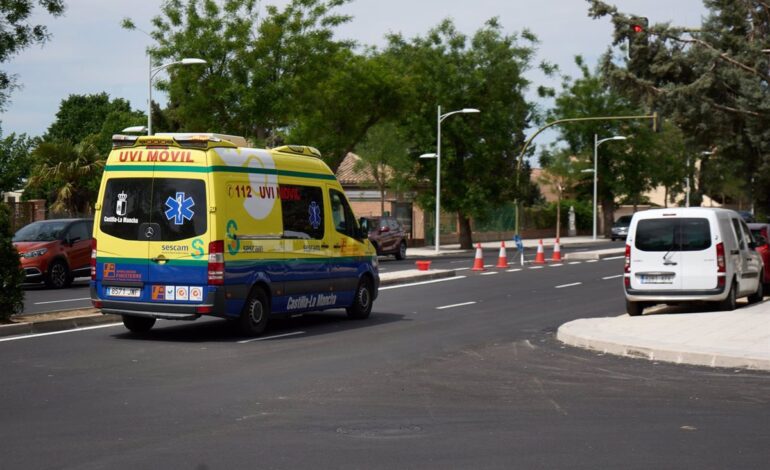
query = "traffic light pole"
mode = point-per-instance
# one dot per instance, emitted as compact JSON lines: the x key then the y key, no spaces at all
{"x":655,"y":117}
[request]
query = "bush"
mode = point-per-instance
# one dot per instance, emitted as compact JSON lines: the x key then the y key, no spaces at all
{"x":11,"y":275}
{"x":544,"y":216}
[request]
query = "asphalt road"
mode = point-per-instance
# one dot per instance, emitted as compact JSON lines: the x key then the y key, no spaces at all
{"x":459,"y":373}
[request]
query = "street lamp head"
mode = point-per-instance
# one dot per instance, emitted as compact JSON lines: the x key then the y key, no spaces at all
{"x":428,"y":155}
{"x":618,"y":137}
{"x":470,"y":110}
{"x":189,"y":61}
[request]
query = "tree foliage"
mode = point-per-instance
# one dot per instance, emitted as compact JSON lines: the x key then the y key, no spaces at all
{"x":14,"y":161}
{"x":11,"y":274}
{"x":711,"y":81}
{"x":18,"y":33}
{"x":68,"y":175}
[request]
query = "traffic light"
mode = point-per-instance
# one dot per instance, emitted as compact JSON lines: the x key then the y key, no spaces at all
{"x":637,"y":33}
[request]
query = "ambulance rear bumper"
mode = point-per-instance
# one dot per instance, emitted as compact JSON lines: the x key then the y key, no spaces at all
{"x":164,"y":311}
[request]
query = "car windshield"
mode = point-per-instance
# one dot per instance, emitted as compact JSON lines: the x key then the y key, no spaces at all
{"x":40,"y":231}
{"x":625,"y":220}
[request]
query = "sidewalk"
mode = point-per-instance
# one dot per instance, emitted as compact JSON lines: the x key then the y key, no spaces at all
{"x":737,"y":339}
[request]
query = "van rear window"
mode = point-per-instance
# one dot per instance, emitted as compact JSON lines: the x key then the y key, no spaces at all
{"x":680,"y":234}
{"x":174,"y":208}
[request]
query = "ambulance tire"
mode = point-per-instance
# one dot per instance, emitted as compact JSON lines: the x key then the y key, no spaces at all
{"x":138,"y":324}
{"x":253,"y":319}
{"x":362,"y":303}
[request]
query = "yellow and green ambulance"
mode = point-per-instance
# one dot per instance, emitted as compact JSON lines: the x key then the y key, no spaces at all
{"x":191,"y":225}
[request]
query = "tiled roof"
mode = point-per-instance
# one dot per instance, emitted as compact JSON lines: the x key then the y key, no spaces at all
{"x":348,"y":174}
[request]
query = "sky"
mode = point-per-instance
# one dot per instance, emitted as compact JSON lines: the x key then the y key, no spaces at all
{"x":90,"y":53}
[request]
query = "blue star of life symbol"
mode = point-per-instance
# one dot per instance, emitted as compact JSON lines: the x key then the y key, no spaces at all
{"x":315,"y":215}
{"x":179,"y":208}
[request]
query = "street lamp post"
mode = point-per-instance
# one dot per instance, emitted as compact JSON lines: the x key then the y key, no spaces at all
{"x":437,"y":156}
{"x":154,"y":71}
{"x":597,"y":143}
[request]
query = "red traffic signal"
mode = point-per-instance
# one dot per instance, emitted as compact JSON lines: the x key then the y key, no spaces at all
{"x":637,"y":28}
{"x":639,"y":25}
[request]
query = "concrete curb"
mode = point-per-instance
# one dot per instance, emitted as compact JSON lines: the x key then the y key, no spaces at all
{"x":60,"y":324}
{"x":588,"y":333}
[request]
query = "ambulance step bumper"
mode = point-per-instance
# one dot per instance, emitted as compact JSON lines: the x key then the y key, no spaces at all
{"x":167,"y":312}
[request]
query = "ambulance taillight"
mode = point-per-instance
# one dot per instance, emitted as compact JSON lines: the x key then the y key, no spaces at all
{"x":217,"y":263}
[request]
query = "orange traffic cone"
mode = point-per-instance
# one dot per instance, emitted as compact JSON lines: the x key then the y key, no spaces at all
{"x":478,"y":263}
{"x":556,"y":252}
{"x":502,"y":260}
{"x":540,"y":256}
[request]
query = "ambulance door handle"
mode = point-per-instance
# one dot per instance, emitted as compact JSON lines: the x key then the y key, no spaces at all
{"x":324,"y":246}
{"x":337,"y":246}
{"x":161,"y":260}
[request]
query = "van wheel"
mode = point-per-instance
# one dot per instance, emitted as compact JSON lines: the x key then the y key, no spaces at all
{"x":634,"y":309}
{"x":401,"y":254}
{"x":758,"y":295}
{"x":729,"y":303}
{"x":362,"y":303}
{"x":138,"y":324}
{"x":253,"y":319}
{"x":58,"y":275}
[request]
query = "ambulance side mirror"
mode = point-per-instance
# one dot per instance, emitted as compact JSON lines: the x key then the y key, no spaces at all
{"x":363,"y":224}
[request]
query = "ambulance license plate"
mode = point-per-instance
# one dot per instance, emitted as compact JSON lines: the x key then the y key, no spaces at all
{"x":657,"y":279}
{"x":124,"y":291}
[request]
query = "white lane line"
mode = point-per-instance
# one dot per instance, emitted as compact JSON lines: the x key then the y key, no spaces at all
{"x":456,"y":278}
{"x":455,"y":305}
{"x":489,"y":265}
{"x":57,"y":301}
{"x":576,"y":262}
{"x":271,"y":337}
{"x":462,"y":269}
{"x":569,"y":285}
{"x":75,"y":330}
{"x":612,"y":277}
{"x":489,"y":273}
{"x":555,"y":265}
{"x":613,"y":257}
{"x":592,"y":261}
{"x":513,"y":270}
{"x":535,"y":267}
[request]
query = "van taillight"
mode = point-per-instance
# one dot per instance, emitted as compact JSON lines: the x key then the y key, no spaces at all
{"x":217,"y":263}
{"x":720,"y":257}
{"x":93,"y":259}
{"x":627,"y":267}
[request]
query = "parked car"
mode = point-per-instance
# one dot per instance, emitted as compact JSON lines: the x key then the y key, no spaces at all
{"x":55,"y":251}
{"x":620,"y":227}
{"x":387,"y":235}
{"x":684,"y":255}
{"x":761,"y":234}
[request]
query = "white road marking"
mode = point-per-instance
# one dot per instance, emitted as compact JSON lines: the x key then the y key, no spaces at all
{"x":455,"y":305}
{"x":271,"y":337}
{"x":612,"y":277}
{"x":462,"y":269}
{"x":489,"y":273}
{"x":57,"y":301}
{"x":513,"y":270}
{"x":569,"y":285}
{"x":613,"y":257}
{"x":592,"y":261}
{"x":75,"y":330}
{"x":535,"y":267}
{"x":576,"y":262}
{"x":555,"y":265}
{"x":456,"y":278}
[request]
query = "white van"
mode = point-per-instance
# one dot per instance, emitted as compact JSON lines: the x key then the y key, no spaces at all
{"x":692,"y":254}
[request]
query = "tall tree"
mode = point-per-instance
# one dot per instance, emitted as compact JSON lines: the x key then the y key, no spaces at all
{"x":479,"y":152}
{"x":712,"y":82}
{"x":11,"y":274}
{"x":81,"y":116}
{"x":18,"y":33}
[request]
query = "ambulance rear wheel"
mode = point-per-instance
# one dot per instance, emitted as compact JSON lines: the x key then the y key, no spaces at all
{"x":253,"y":320}
{"x":138,"y":324}
{"x":362,"y":303}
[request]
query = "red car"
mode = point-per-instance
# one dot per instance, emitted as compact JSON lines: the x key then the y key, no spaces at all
{"x":55,"y":251}
{"x":387,"y":235}
{"x":761,"y":234}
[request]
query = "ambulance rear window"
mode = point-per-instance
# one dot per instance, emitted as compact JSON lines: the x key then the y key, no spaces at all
{"x":674,"y":234}
{"x":173,"y":208}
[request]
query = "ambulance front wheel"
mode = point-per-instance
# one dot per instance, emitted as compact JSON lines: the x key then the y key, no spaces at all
{"x":362,"y":303}
{"x":138,"y":324}
{"x":253,"y":318}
